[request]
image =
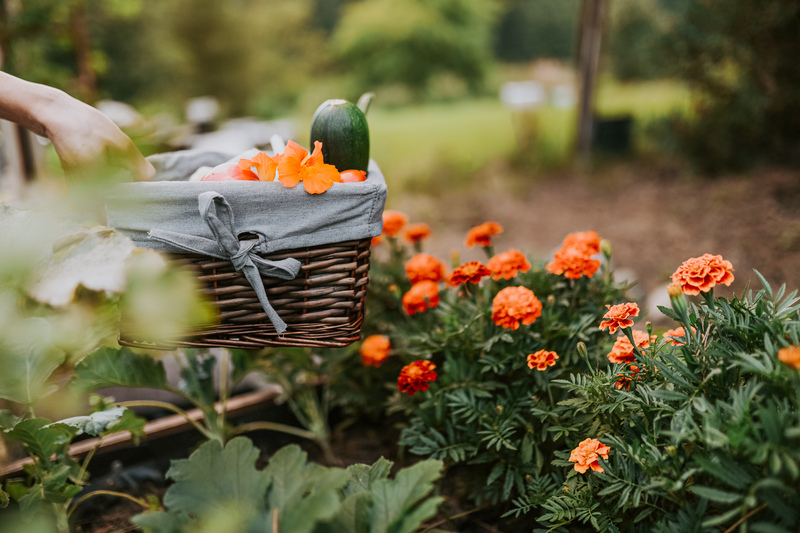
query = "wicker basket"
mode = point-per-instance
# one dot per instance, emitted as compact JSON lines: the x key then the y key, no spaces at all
{"x":323,"y":306}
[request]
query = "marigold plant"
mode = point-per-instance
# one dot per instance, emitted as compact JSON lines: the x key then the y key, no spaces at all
{"x":416,"y":377}
{"x":623,"y":352}
{"x":508,"y":264}
{"x":423,"y":295}
{"x":513,"y":306}
{"x":425,"y":267}
{"x":482,"y":235}
{"x":374,"y":350}
{"x":790,"y":355}
{"x":589,"y":240}
{"x":675,"y":335}
{"x":542,"y":359}
{"x":393,"y":222}
{"x":587,"y":455}
{"x":417,"y":232}
{"x":701,"y":274}
{"x":619,"y":316}
{"x":472,"y":272}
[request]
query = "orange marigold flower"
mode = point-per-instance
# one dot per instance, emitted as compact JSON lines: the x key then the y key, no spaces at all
{"x":424,"y":266}
{"x":701,"y":274}
{"x":618,"y":317}
{"x":265,"y":165}
{"x":416,"y":232}
{"x":472,"y":272}
{"x":375,"y":241}
{"x":574,"y":262}
{"x":375,"y":350}
{"x":513,"y":305}
{"x":297,"y":165}
{"x":588,"y":239}
{"x":625,"y":381}
{"x":416,"y":377}
{"x":422,"y":296}
{"x":393,"y":222}
{"x":541,"y":360}
{"x":482,"y":235}
{"x":585,"y":456}
{"x":790,"y":355}
{"x":622,"y":351}
{"x":676,"y":334}
{"x":508,"y":264}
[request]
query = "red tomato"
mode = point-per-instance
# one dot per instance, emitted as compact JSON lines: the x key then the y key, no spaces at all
{"x":231,"y":173}
{"x":353,"y":176}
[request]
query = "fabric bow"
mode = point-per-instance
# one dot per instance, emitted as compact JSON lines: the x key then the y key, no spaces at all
{"x":217,"y":213}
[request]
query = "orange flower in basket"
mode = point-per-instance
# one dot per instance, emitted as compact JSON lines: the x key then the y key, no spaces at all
{"x":482,"y":235}
{"x":618,"y":317}
{"x":585,"y":456}
{"x":472,"y":272}
{"x":514,"y":305}
{"x":622,"y":351}
{"x":701,"y":274}
{"x":297,"y":165}
{"x":375,"y":350}
{"x":265,"y":165}
{"x":541,"y":360}
{"x":790,"y":355}
{"x":424,"y":266}
{"x":423,"y":295}
{"x":416,"y":377}
{"x":574,"y":262}
{"x":508,"y":264}
{"x":583,"y":239}
{"x":674,"y":335}
{"x":393,"y":222}
{"x":416,"y":232}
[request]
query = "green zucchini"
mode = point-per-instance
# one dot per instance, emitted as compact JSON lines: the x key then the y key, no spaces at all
{"x":342,"y":129}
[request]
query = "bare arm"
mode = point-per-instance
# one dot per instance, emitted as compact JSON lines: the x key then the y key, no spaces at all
{"x":82,"y":136}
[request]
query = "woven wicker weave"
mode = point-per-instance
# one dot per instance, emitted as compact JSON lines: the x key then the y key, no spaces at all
{"x":323,"y":306}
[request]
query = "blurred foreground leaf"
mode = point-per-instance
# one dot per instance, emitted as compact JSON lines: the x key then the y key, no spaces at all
{"x":28,"y":360}
{"x":108,"y":367}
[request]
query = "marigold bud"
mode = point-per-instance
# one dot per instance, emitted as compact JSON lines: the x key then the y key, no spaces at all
{"x":551,"y":299}
{"x":582,"y":351}
{"x":605,"y":247}
{"x":499,"y":409}
{"x":677,"y":299}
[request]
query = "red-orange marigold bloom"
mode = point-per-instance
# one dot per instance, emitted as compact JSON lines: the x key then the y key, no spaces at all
{"x":393,"y":222}
{"x":482,"y":235}
{"x":618,"y":316}
{"x":671,"y":334}
{"x":375,"y":241}
{"x":574,"y":262}
{"x":622,"y":351}
{"x":416,"y":377}
{"x":508,"y":264}
{"x":585,"y":456}
{"x":541,"y":360}
{"x":472,"y":272}
{"x":297,"y":165}
{"x":514,"y":305}
{"x":424,"y":266}
{"x":416,"y":232}
{"x":701,"y":274}
{"x":625,"y":381}
{"x":375,"y":350}
{"x":588,"y":239}
{"x":422,"y":296}
{"x":790,"y":355}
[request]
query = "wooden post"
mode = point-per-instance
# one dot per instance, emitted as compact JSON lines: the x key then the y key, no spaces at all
{"x":592,"y":17}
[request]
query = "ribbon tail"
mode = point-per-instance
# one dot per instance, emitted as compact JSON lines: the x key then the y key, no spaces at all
{"x":283,"y":269}
{"x":254,"y":277}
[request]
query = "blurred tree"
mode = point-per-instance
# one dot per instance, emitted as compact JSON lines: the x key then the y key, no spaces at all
{"x":529,"y":30}
{"x":637,"y":33}
{"x":408,"y":42}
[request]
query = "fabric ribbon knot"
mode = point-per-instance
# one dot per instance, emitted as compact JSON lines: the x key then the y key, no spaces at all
{"x":217,"y":213}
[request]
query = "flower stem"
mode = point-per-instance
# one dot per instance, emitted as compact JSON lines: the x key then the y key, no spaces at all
{"x":169,"y":407}
{"x":85,"y":497}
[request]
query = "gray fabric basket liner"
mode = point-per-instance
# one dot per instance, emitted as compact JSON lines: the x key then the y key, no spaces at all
{"x":281,"y":217}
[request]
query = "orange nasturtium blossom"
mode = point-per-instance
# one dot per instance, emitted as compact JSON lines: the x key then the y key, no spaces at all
{"x":416,"y":377}
{"x":265,"y":165}
{"x":482,"y":235}
{"x":622,"y":351}
{"x":230,"y":173}
{"x":375,"y":350}
{"x":790,"y":355}
{"x":514,"y":305}
{"x":587,"y":239}
{"x":675,"y":336}
{"x":585,"y":456}
{"x":541,"y":360}
{"x":618,"y":316}
{"x":507,"y":264}
{"x":574,"y":262}
{"x":472,"y":272}
{"x":393,"y":222}
{"x":416,"y":232}
{"x":297,"y":165}
{"x":701,"y":274}
{"x":422,"y":296}
{"x":424,"y":266}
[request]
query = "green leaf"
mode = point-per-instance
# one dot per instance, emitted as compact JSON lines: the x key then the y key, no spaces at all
{"x":41,"y":438}
{"x":353,"y":516}
{"x":5,"y":499}
{"x":715,"y":495}
{"x":95,"y":423}
{"x":214,"y":475}
{"x":129,"y":422}
{"x":29,"y":359}
{"x":108,"y":367}
{"x":362,"y":476}
{"x":8,"y":420}
{"x":394,"y":501}
{"x":162,"y":522}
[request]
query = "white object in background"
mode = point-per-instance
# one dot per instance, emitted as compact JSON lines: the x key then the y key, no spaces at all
{"x":563,"y":96}
{"x":520,"y":95}
{"x":120,"y":113}
{"x":278,"y":145}
{"x":202,"y":110}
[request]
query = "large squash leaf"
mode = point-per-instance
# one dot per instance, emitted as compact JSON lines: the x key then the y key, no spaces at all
{"x":95,"y":423}
{"x":28,"y":358}
{"x":41,"y":438}
{"x":108,"y":367}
